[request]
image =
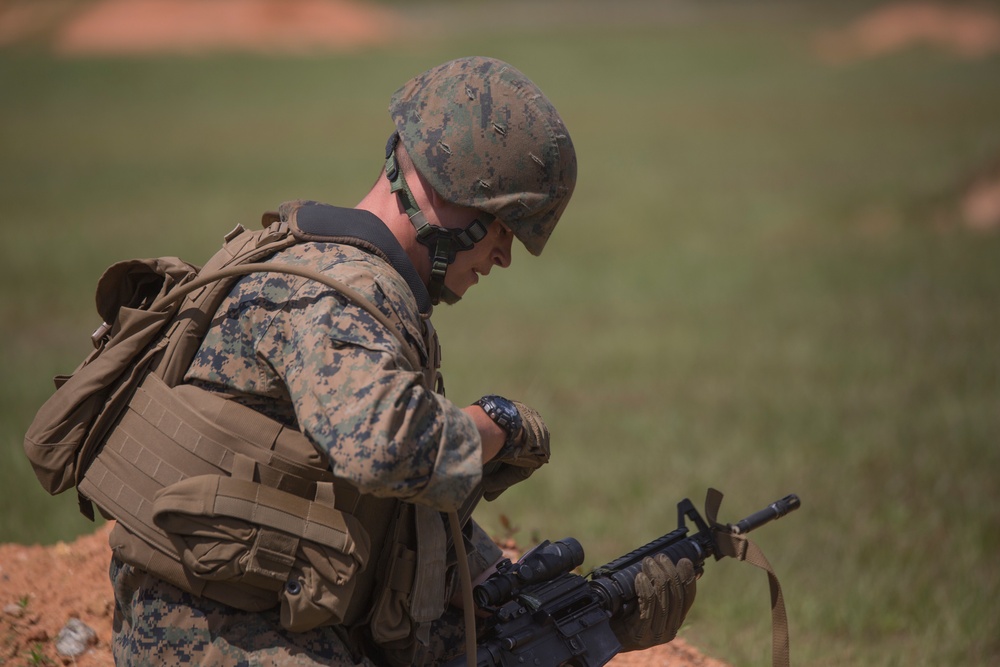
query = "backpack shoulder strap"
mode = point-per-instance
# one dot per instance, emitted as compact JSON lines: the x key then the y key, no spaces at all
{"x":356,"y":297}
{"x":241,"y":255}
{"x":198,"y":299}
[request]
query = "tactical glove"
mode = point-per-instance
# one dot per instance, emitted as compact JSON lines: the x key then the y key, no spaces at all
{"x":525,"y":453}
{"x":664,"y":593}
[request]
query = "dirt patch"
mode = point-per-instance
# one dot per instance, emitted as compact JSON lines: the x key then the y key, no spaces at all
{"x":979,"y":204}
{"x":963,"y":31}
{"x":148,"y":27}
{"x":24,"y":21}
{"x":42,"y":588}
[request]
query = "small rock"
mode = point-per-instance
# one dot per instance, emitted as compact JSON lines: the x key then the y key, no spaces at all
{"x":75,"y":638}
{"x":15,"y":610}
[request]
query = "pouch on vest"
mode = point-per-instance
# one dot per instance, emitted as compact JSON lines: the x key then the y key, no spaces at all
{"x":225,"y":503}
{"x":415,"y":591}
{"x":241,"y":532}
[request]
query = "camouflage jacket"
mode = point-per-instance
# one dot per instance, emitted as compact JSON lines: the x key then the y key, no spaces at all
{"x":306,"y":356}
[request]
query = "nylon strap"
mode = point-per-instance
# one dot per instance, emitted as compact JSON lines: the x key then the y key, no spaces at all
{"x":741,"y":548}
{"x":242,"y":269}
{"x":444,"y":244}
{"x":465,"y":577}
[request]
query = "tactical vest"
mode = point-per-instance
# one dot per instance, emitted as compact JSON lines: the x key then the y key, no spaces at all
{"x":226,"y":503}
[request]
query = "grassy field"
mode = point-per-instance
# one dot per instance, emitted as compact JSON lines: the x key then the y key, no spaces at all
{"x":762,"y":285}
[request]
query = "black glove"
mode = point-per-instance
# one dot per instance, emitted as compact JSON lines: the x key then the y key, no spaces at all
{"x":665,"y":593}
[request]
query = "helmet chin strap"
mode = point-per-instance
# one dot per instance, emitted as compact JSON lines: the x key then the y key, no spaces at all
{"x":443,"y":244}
{"x":449,"y":297}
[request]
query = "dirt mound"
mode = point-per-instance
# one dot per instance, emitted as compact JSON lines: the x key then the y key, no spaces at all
{"x":980,"y":199}
{"x":42,"y":588}
{"x":147,"y":27}
{"x":963,"y":31}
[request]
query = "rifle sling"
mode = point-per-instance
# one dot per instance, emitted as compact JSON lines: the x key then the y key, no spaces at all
{"x":741,"y":548}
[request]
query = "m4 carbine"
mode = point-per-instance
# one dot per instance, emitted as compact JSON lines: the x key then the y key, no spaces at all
{"x":543,"y":614}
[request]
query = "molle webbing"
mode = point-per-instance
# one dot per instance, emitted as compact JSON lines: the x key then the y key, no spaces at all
{"x":173,"y":453}
{"x":162,"y":439}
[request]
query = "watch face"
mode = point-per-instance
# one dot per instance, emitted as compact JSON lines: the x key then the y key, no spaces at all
{"x":503,"y":412}
{"x":507,"y":413}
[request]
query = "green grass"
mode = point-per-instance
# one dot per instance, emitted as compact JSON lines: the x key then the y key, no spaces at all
{"x":759,"y":286}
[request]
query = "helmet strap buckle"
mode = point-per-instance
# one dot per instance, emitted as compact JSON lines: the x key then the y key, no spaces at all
{"x":443,"y":244}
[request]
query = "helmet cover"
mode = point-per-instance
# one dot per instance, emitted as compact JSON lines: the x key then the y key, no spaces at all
{"x":484,"y":136}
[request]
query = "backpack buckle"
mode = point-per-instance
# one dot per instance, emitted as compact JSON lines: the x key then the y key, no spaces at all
{"x":100,"y":335}
{"x":237,"y":230}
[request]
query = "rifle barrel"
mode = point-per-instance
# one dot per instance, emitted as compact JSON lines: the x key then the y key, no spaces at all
{"x":775,"y":510}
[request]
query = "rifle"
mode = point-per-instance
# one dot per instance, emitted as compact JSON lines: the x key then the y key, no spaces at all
{"x":541,"y":613}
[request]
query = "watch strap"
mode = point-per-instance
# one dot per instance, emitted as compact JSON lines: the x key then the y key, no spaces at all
{"x":504,"y":414}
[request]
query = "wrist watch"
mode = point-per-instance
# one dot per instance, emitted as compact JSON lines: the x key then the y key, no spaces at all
{"x":504,"y":414}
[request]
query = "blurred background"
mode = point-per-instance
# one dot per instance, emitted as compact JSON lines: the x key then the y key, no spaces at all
{"x":780,"y":271}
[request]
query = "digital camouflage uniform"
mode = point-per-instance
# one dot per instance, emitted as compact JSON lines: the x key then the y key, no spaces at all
{"x":306,"y":356}
{"x":483,"y":136}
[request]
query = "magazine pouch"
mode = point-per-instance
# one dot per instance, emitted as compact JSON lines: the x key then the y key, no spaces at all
{"x":243,"y":533}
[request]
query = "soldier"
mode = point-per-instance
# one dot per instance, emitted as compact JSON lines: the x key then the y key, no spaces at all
{"x":479,"y":157}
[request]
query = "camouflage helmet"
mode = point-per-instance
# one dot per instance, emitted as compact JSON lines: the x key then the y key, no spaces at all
{"x":484,"y":136}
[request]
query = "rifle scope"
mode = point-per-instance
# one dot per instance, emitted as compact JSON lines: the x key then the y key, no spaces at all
{"x":546,"y":561}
